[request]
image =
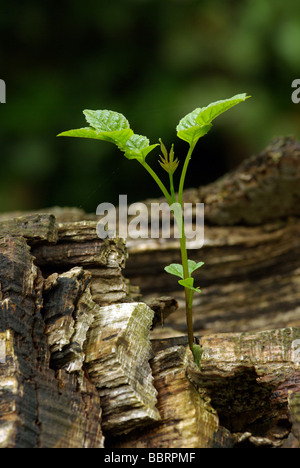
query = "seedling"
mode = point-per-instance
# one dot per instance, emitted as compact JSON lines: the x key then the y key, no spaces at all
{"x":113,"y":127}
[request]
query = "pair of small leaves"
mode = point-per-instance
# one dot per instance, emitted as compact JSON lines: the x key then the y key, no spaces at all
{"x":113,"y":127}
{"x":197,"y":123}
{"x":176,"y":269}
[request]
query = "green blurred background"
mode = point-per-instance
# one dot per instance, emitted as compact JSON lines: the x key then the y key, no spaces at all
{"x":152,"y":60}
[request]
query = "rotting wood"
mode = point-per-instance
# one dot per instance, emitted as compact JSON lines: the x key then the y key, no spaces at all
{"x":246,"y":394}
{"x":264,"y":187}
{"x":39,"y":408}
{"x":162,"y":308}
{"x":251,"y":276}
{"x":35,"y":228}
{"x":252,"y":380}
{"x":78,"y":245}
{"x":250,"y":280}
{"x":117,"y":353}
{"x":68,"y":311}
{"x":187,"y":418}
{"x":249,"y":381}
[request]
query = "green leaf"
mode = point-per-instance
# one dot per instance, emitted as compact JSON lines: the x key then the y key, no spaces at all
{"x":194,"y":266}
{"x":198,"y":122}
{"x":213,"y":110}
{"x":189,"y":283}
{"x":109,"y":126}
{"x":137,"y":147}
{"x":86,"y":132}
{"x":106,"y":120}
{"x":118,"y":137}
{"x":175,"y":269}
{"x":113,"y":127}
{"x":189,"y":130}
{"x":197,"y":351}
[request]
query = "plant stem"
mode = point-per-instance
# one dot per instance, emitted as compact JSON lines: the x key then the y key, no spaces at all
{"x":183,"y":173}
{"x":188,"y":293}
{"x":172,"y":188}
{"x":184,"y":259}
{"x":158,"y":181}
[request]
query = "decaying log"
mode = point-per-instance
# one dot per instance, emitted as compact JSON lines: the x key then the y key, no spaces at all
{"x":117,"y":353}
{"x":34,"y":228}
{"x":99,"y":353}
{"x":76,"y":357}
{"x":187,"y":418}
{"x":68,"y":311}
{"x":251,"y":249}
{"x":264,"y":188}
{"x":252,"y":378}
{"x":250,"y":280}
{"x":245,"y":395}
{"x":78,"y":245}
{"x":39,"y":407}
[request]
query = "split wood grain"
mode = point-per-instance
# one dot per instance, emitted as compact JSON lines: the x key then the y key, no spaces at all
{"x":117,"y":353}
{"x":39,"y":407}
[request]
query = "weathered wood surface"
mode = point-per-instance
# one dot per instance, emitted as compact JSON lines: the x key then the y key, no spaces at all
{"x":265,"y":187}
{"x":78,"y":245}
{"x":251,"y":276}
{"x":117,"y":353}
{"x":68,"y":312}
{"x":39,"y":407}
{"x":250,"y":280}
{"x":69,"y":368}
{"x":187,"y":418}
{"x":246,"y":394}
{"x":57,"y":279}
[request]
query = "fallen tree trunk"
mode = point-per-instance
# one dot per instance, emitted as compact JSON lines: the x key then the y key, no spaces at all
{"x":73,"y":375}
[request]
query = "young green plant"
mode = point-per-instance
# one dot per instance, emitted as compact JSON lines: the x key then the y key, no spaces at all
{"x":113,"y":127}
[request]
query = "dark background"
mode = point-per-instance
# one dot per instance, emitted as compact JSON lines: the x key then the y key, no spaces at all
{"x":154,"y":61}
